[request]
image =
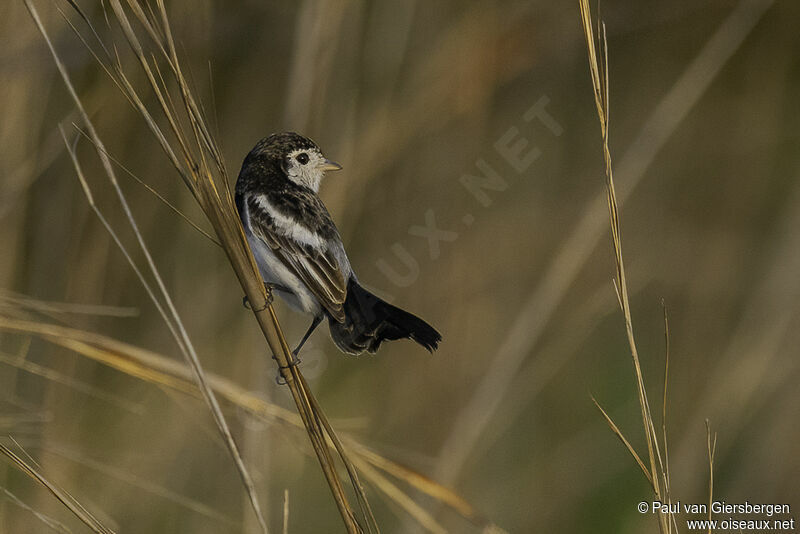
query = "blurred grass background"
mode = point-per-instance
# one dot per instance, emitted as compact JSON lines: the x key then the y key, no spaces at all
{"x":408,"y":97}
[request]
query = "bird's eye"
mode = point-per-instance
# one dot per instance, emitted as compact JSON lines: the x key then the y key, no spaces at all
{"x":302,"y":158}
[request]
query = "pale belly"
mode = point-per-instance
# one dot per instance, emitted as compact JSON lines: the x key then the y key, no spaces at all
{"x":274,"y":271}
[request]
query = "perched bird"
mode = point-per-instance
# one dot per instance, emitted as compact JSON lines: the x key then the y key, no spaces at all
{"x":300,"y":253}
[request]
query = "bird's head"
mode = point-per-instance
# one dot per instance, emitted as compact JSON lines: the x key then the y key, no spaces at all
{"x":298,"y":157}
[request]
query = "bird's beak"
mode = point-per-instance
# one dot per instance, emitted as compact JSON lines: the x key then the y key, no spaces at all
{"x":329,"y":165}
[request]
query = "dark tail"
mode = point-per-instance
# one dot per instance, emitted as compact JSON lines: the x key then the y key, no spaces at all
{"x":369,"y":321}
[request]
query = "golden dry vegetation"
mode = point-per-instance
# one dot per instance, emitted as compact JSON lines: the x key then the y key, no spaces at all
{"x":504,"y":247}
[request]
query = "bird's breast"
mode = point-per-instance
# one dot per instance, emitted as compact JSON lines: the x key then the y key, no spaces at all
{"x":275,"y":272}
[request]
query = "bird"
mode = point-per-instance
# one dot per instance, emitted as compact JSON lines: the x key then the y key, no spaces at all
{"x":300,"y":253}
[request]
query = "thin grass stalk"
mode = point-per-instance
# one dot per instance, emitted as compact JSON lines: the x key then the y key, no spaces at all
{"x":268,"y":322}
{"x":575,"y":251}
{"x":24,"y":364}
{"x":176,"y":325}
{"x":175,"y":376}
{"x":64,"y":497}
{"x":217,"y":204}
{"x":665,"y":468}
{"x":144,"y":487}
{"x":49,"y":521}
{"x":351,"y":469}
{"x":150,"y":189}
{"x":52,"y":308}
{"x":598,"y":67}
{"x":399,"y":497}
{"x":664,"y":398}
{"x":286,"y":511}
{"x":211,"y":201}
{"x":185,"y":343}
{"x":711,"y":446}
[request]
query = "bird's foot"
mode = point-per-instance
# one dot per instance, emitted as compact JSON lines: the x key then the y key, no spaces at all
{"x":270,"y":288}
{"x":246,"y":302}
{"x":280,"y":379}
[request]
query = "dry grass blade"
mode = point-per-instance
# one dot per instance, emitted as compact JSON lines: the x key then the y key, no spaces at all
{"x":66,"y":308}
{"x":422,"y":483}
{"x":574,"y":254}
{"x":49,"y":521}
{"x":165,"y":372}
{"x":64,"y":497}
{"x":711,"y":445}
{"x":172,"y":319}
{"x":598,"y":68}
{"x":599,"y":72}
{"x":617,"y":432}
{"x":144,"y":487}
{"x":665,"y":472}
{"x":286,"y":511}
{"x":82,"y":387}
{"x":425,"y":519}
{"x":175,"y":325}
{"x":145,"y":365}
{"x":666,"y":382}
{"x":351,"y":470}
{"x":151,"y":190}
{"x":208,"y":182}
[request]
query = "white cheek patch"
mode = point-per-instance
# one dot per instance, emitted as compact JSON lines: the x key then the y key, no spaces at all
{"x":291,"y":228}
{"x":294,"y":170}
{"x":310,"y":174}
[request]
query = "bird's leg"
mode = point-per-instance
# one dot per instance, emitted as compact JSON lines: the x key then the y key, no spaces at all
{"x":314,"y":324}
{"x":296,"y":361}
{"x":270,"y":287}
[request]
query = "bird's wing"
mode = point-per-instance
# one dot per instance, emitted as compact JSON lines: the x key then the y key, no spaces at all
{"x":317,"y":261}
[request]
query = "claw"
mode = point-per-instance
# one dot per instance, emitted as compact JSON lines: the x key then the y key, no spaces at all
{"x":246,"y":301}
{"x":279,"y":378}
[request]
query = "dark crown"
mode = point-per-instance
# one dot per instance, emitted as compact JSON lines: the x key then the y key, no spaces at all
{"x":280,"y":144}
